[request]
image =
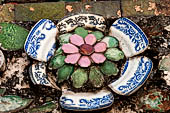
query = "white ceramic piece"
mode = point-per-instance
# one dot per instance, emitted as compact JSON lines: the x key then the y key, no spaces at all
{"x":135,"y":73}
{"x":131,"y":38}
{"x":86,"y":101}
{"x":38,"y":75}
{"x":2,"y":61}
{"x":41,"y":41}
{"x":86,"y":20}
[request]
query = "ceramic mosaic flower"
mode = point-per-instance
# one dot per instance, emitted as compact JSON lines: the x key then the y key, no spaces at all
{"x":87,"y":53}
{"x":91,"y":52}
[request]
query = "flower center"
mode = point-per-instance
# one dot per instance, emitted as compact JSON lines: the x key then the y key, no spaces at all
{"x":86,"y":49}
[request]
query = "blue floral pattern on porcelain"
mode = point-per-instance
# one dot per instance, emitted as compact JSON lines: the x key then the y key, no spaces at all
{"x":132,"y":39}
{"x":43,"y":33}
{"x":139,"y":77}
{"x":135,"y":34}
{"x":81,"y":102}
{"x":38,"y":74}
{"x":135,"y":73}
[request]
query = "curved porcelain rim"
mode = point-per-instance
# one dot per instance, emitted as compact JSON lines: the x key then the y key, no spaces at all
{"x":88,"y":109}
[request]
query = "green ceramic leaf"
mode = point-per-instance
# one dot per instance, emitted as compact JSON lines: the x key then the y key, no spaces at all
{"x":57,"y":62}
{"x":12,"y":37}
{"x":79,"y":77}
{"x":96,"y":77}
{"x":12,"y":103}
{"x":114,"y":54}
{"x":65,"y":38}
{"x":59,"y":51}
{"x":109,"y":68}
{"x":99,"y":35}
{"x":64,"y":72}
{"x":81,"y":32}
{"x":110,"y":41}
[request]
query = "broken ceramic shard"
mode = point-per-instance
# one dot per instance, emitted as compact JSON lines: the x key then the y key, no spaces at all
{"x":86,"y":101}
{"x":70,"y":48}
{"x":86,"y":20}
{"x":58,"y":51}
{"x":56,"y":62}
{"x":98,"y":58}
{"x":39,"y":76}
{"x":96,"y":77}
{"x":2,"y":91}
{"x":92,"y":21}
{"x":64,"y":72}
{"x":155,"y":100}
{"x":46,"y":107}
{"x":64,"y":38}
{"x":86,"y":49}
{"x":109,"y":68}
{"x":41,"y":41}
{"x":67,"y":24}
{"x":81,"y":32}
{"x":2,"y":61}
{"x":164,"y":63}
{"x":134,"y":75}
{"x":100,"y":47}
{"x":99,"y":35}
{"x":110,"y":41}
{"x":132,"y":39}
{"x":12,"y":103}
{"x":114,"y":54}
{"x":72,"y":58}
{"x":90,"y":39}
{"x":79,"y":77}
{"x":12,"y":36}
{"x":84,"y":61}
{"x":76,"y":40}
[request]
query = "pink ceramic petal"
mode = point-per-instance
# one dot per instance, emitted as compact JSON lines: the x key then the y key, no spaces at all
{"x":100,"y":47}
{"x":76,"y":40}
{"x":84,"y":61}
{"x":98,"y":58}
{"x":72,"y":58}
{"x":70,"y":48}
{"x":90,"y":39}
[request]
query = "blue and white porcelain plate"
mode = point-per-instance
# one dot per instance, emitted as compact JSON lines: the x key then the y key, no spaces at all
{"x":86,"y":101}
{"x":41,"y":41}
{"x":38,"y":74}
{"x":135,"y":73}
{"x":132,"y":39}
{"x":86,"y":20}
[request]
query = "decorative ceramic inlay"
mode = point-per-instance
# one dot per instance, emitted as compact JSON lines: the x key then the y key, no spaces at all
{"x":2,"y":61}
{"x":132,"y":39}
{"x":84,"y":51}
{"x":135,"y":73}
{"x":38,"y":75}
{"x":79,"y":48}
{"x":86,"y":101}
{"x":87,"y":20}
{"x":40,"y":43}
